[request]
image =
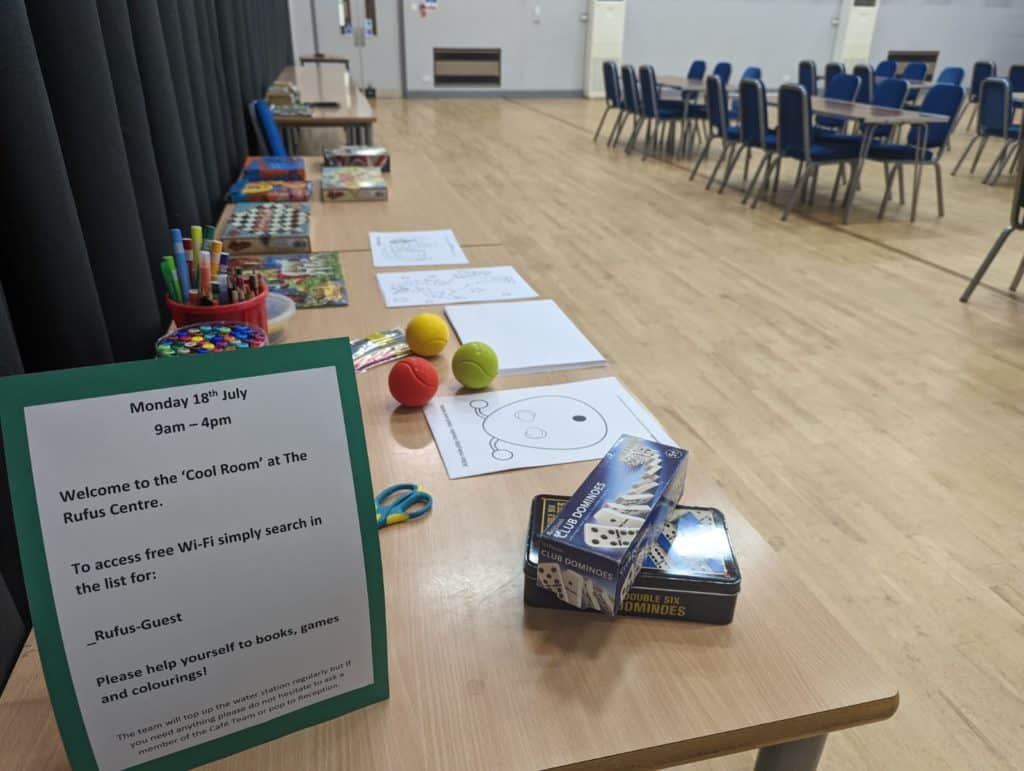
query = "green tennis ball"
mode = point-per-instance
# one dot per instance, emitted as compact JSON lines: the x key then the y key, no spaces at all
{"x":475,"y":365}
{"x":427,"y":334}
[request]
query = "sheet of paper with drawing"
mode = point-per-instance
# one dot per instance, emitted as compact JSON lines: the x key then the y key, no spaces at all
{"x":543,"y":426}
{"x":416,"y":247}
{"x":440,"y":287}
{"x":530,"y":336}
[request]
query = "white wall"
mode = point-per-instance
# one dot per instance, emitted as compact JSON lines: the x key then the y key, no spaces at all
{"x":542,"y":41}
{"x":962,"y":31}
{"x":771,"y":34}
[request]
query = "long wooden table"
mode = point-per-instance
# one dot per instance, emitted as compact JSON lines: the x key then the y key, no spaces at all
{"x":330,"y":84}
{"x":324,"y":59}
{"x":480,"y":681}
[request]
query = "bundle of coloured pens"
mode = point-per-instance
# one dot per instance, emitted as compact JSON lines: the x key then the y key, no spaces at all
{"x":198,"y":274}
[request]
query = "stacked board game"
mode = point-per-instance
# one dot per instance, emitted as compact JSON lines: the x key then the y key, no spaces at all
{"x":311,"y":280}
{"x":273,"y":167}
{"x":265,"y":228}
{"x":358,"y":155}
{"x":353,"y":183}
{"x":269,"y":191}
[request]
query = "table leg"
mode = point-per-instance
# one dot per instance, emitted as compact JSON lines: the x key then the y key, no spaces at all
{"x":369,"y":133}
{"x":800,"y":755}
{"x":865,"y":145}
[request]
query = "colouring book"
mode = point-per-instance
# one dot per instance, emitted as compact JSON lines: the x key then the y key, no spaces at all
{"x":440,"y":287}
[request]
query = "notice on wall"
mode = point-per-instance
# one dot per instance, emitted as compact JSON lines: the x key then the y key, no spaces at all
{"x":200,"y":547}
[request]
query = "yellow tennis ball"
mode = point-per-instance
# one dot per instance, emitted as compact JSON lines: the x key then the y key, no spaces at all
{"x":475,"y":365}
{"x":427,"y":334}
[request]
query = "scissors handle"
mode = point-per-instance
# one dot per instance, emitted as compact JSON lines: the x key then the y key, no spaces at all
{"x":400,"y":503}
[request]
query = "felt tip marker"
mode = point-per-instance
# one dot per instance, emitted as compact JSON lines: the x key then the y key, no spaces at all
{"x":197,"y":246}
{"x":180,"y":263}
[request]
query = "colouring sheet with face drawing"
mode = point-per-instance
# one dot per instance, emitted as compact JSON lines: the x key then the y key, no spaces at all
{"x":480,"y":433}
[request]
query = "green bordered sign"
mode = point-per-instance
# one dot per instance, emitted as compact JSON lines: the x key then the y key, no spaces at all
{"x":200,"y":547}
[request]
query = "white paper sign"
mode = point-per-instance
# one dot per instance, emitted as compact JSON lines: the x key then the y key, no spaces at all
{"x":416,"y":247}
{"x":443,"y":287}
{"x":543,"y":426}
{"x":205,"y":557}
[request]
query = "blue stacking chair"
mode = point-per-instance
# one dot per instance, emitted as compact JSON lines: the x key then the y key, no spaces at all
{"x":612,"y":97}
{"x":631,"y":104}
{"x":718,"y":127}
{"x":866,"y":92}
{"x":723,"y":71}
{"x":844,"y":87}
{"x":914,"y":71}
{"x":750,"y":73}
{"x":924,"y":146}
{"x":995,"y":119}
{"x":656,"y":115}
{"x":953,"y":76}
{"x":831,"y":70}
{"x":807,"y":76}
{"x":268,"y":128}
{"x":796,"y":140}
{"x":886,"y":69}
{"x":754,"y":133}
{"x":1016,"y":76}
{"x":697,"y":69}
{"x":980,"y":72}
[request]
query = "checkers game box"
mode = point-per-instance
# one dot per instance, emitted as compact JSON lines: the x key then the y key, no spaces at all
{"x":592,"y":551}
{"x":266,"y":228}
{"x":696,"y":579}
{"x":273,"y":168}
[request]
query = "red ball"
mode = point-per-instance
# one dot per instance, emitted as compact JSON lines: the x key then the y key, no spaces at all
{"x":413,"y":381}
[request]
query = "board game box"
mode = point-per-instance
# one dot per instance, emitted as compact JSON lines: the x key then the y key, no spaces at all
{"x":358,"y":155}
{"x":266,"y":228}
{"x":353,"y":183}
{"x":311,"y":280}
{"x":696,"y":578}
{"x":593,"y":550}
{"x":261,"y":190}
{"x":273,"y":167}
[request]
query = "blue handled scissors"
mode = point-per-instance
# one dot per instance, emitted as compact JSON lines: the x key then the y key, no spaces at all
{"x":400,"y":503}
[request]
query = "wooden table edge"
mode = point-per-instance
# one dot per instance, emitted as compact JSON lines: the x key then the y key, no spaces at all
{"x":307,"y":120}
{"x":743,"y":739}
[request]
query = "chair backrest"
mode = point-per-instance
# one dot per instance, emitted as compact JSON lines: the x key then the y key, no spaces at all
{"x":630,"y":92}
{"x":980,"y":72}
{"x":714,"y":98}
{"x":697,"y":69}
{"x":866,"y":93}
{"x":994,"y":107}
{"x":953,"y":75}
{"x":831,"y":70}
{"x":807,"y":76}
{"x":751,"y":73}
{"x":941,"y":99}
{"x":794,"y":121}
{"x":843,"y":86}
{"x":1016,"y":76}
{"x":648,"y":91}
{"x":275,"y":144}
{"x":891,"y":92}
{"x":722,"y":71}
{"x":753,"y":113}
{"x":612,"y":89}
{"x":886,"y":69}
{"x":257,"y":129}
{"x":915,"y":71}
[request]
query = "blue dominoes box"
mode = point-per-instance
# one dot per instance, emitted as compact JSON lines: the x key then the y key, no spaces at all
{"x":593,"y":550}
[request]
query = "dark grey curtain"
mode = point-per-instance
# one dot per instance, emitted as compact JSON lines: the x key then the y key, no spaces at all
{"x":122,"y":118}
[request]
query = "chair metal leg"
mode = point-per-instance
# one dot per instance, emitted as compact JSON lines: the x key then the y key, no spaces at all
{"x":977,"y":157}
{"x":938,"y":190}
{"x":917,"y":189}
{"x":976,"y":279}
{"x":601,"y":124}
{"x":638,"y":125}
{"x":835,"y":185}
{"x":757,"y":173}
{"x":700,"y":159}
{"x":967,"y":150}
{"x":613,"y":137}
{"x":726,"y":153}
{"x":903,"y":198}
{"x":736,"y":153}
{"x":797,"y":187}
{"x":1017,"y":276}
{"x":746,"y":165}
{"x":1010,"y":147}
{"x":814,"y":186}
{"x":778,"y":170}
{"x":992,"y":175}
{"x":889,"y":176}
